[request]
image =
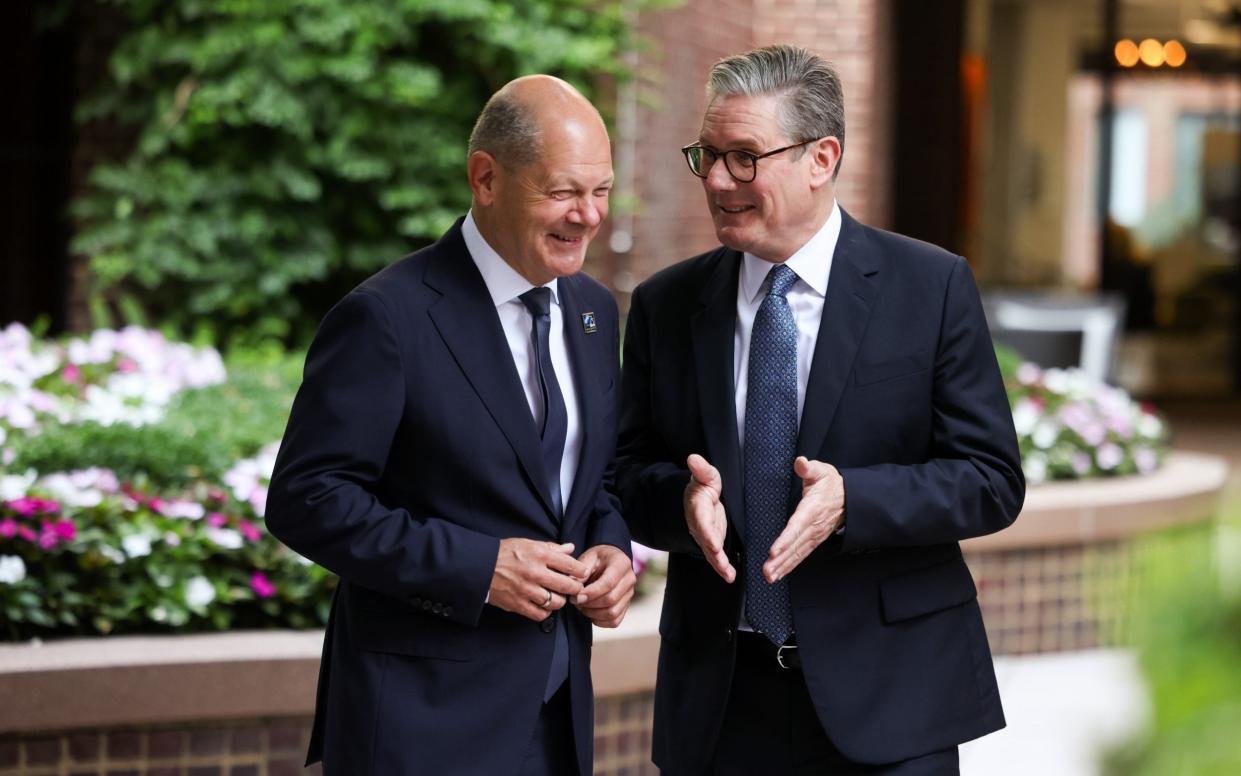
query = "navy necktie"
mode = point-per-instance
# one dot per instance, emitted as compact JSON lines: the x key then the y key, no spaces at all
{"x":553,"y":422}
{"x":770,"y":445}
{"x":553,"y":425}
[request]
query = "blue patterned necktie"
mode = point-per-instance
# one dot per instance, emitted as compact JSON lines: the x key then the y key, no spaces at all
{"x":553,"y":426}
{"x":770,"y":445}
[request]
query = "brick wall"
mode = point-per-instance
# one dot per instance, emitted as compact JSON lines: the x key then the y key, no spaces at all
{"x":272,"y":747}
{"x":671,"y":221}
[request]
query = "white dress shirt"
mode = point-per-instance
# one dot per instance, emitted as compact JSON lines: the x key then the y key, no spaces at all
{"x":812,"y":263}
{"x":506,"y":285}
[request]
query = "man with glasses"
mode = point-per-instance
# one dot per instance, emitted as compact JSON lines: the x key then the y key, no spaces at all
{"x":813,"y":419}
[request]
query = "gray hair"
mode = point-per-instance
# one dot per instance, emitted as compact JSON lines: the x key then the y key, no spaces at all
{"x":507,"y":130}
{"x":812,"y":101}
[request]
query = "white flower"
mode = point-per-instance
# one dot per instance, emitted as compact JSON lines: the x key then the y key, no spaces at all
{"x":66,"y":490}
{"x":190,"y":510}
{"x":112,"y":554}
{"x":1045,"y":435}
{"x":159,"y":614}
{"x":14,"y":486}
{"x":1150,"y":426}
{"x":1035,"y":467}
{"x":1081,"y":464}
{"x":1057,"y":381}
{"x":1028,"y":373}
{"x":226,"y":538}
{"x":1025,"y":416}
{"x":12,"y":569}
{"x":1145,"y":459}
{"x":199,"y":592}
{"x":1109,"y":456}
{"x":7,"y":457}
{"x":3,"y":435}
{"x":136,"y":545}
{"x":172,"y":539}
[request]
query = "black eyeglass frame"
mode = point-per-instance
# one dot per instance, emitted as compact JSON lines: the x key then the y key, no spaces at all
{"x":725,"y":155}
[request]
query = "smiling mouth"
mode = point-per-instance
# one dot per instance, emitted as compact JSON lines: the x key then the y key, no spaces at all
{"x":566,"y":239}
{"x":735,"y":210}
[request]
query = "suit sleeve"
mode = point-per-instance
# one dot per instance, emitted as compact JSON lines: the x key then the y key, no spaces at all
{"x":322,"y":498}
{"x":649,"y":483}
{"x":606,"y":524}
{"x":972,"y":484}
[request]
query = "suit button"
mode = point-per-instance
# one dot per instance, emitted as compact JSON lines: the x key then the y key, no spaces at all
{"x":548,"y":625}
{"x":728,"y":634}
{"x":438,"y":607}
{"x":447,"y":611}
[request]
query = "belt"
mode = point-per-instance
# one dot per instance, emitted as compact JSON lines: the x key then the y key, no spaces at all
{"x":758,"y":647}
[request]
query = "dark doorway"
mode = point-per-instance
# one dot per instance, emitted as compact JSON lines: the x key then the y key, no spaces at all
{"x":36,"y":144}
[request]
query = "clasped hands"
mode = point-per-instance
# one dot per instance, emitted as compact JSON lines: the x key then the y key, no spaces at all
{"x":534,"y":579}
{"x":818,"y":515}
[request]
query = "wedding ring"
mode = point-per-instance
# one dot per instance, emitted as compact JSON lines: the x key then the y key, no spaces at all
{"x":548,"y":602}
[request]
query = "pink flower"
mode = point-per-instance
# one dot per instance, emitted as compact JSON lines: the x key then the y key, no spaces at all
{"x":8,"y":528}
{"x":261,"y":585}
{"x":27,"y":533}
{"x":29,"y":505}
{"x":127,"y":366}
{"x":65,"y":529}
{"x":156,"y":505}
{"x":215,"y":494}
{"x":249,"y":530}
{"x":48,"y":539}
{"x":70,"y":374}
{"x":217,"y":520}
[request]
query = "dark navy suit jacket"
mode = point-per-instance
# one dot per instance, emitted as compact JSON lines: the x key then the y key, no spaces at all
{"x":409,"y":454}
{"x":905,"y":399}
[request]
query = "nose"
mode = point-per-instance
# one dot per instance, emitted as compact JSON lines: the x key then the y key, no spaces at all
{"x":718,"y":178}
{"x":588,"y":212}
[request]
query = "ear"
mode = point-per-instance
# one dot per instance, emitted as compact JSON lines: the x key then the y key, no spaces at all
{"x":826,"y":153}
{"x":482,"y":169}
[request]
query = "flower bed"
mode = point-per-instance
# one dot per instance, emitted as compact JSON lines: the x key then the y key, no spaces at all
{"x":167,"y":534}
{"x":1072,"y":426}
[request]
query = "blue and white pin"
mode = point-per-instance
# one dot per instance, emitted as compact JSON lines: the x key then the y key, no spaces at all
{"x":588,"y":323}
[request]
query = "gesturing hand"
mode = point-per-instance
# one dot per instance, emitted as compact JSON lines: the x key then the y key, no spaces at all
{"x":528,"y":572}
{"x":609,"y":587}
{"x":818,"y":514}
{"x":704,"y":514}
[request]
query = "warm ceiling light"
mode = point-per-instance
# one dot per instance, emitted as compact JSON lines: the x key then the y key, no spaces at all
{"x":1174,"y":53}
{"x":1151,"y":52}
{"x":1126,"y":53}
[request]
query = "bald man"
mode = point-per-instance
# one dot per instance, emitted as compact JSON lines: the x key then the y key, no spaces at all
{"x":446,"y":456}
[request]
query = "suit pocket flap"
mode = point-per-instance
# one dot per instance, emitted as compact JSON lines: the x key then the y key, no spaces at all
{"x":414,"y":634}
{"x":865,"y":373}
{"x":926,"y":590}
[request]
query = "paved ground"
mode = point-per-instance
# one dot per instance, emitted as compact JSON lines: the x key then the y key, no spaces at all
{"x":1063,"y":711}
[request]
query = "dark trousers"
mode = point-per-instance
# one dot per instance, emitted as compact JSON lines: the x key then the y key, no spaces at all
{"x":771,"y":727}
{"x":551,"y":751}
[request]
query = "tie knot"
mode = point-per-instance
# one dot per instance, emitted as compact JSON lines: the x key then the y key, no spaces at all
{"x":538,"y":301}
{"x":781,"y":280}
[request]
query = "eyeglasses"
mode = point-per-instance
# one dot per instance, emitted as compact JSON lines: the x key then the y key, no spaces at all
{"x":742,"y":165}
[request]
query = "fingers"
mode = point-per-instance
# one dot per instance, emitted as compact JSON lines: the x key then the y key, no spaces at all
{"x":810,"y":471}
{"x":615,"y":573}
{"x":559,"y":558}
{"x":704,"y":473}
{"x":611,"y":616}
{"x":787,"y":551}
{"x":719,"y":561}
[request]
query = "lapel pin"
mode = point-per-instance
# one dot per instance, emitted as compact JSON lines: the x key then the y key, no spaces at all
{"x":588,"y":323}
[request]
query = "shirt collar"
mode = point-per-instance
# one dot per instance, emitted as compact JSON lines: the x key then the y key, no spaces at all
{"x":504,"y":284}
{"x":812,"y":262}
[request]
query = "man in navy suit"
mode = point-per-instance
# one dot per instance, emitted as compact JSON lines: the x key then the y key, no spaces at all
{"x":447,"y":457}
{"x":813,"y":419}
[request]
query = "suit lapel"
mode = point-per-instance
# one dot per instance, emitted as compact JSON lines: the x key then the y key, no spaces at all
{"x":587,"y":371}
{"x":851,"y":291}
{"x":467,"y":321}
{"x":713,"y":329}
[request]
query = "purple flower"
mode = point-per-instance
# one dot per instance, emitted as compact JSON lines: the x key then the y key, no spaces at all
{"x":1145,"y":459}
{"x":217,"y":520}
{"x":1109,"y":456}
{"x":1081,"y":464}
{"x":71,"y":374}
{"x":8,"y":528}
{"x":261,"y":585}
